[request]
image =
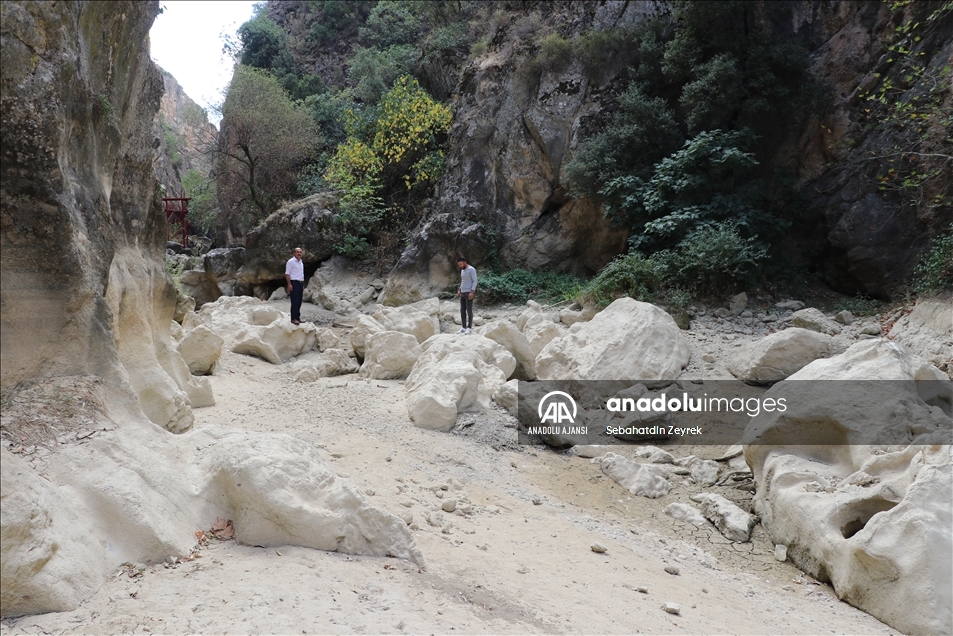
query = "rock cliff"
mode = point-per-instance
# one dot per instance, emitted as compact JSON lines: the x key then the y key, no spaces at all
{"x":181,"y":133}
{"x":92,"y":385}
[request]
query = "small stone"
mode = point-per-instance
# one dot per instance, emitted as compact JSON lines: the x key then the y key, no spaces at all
{"x":781,"y":552}
{"x":449,"y":505}
{"x":407,"y":516}
{"x":523,"y":570}
{"x":388,"y":459}
{"x":642,"y":589}
{"x":871,"y":330}
{"x":598,"y":548}
{"x":537,"y":501}
{"x":439,"y":494}
{"x":672,"y":608}
{"x":369,"y":492}
{"x":492,"y":509}
{"x":844,"y":317}
{"x":671,"y":569}
{"x":407,"y":502}
{"x":708,"y":358}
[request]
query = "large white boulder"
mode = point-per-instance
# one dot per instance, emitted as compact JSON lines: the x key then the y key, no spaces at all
{"x":135,"y":493}
{"x":278,"y":342}
{"x":455,"y":373}
{"x":363,"y":327}
{"x":854,"y":477}
{"x":928,"y":331}
{"x":389,"y":355}
{"x":201,"y":348}
{"x":509,"y":337}
{"x":775,"y":357}
{"x":46,"y":553}
{"x":628,"y":340}
{"x":412,"y":319}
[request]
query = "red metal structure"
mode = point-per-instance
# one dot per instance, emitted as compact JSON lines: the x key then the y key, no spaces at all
{"x":176,"y":219}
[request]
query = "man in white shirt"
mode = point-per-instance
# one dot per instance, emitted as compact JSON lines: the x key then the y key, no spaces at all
{"x":294,"y":279}
{"x":468,"y":284}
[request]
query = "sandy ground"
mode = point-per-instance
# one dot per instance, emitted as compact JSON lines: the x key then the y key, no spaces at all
{"x":515,"y":557}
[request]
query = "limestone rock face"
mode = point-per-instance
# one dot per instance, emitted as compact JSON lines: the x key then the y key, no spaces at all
{"x":429,"y":264}
{"x":453,"y":374}
{"x":870,"y":511}
{"x":143,"y":493}
{"x":511,"y":142}
{"x":43,"y":545}
{"x":389,"y":355}
{"x":780,"y":354}
{"x":307,"y":224}
{"x":628,"y":340}
{"x":928,"y":331}
{"x":85,"y":290}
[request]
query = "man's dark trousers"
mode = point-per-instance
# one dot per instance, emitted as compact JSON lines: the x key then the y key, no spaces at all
{"x":297,"y":295}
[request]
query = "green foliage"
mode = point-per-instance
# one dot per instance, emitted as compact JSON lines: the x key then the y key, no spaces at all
{"x":555,"y":52}
{"x":203,"y":208}
{"x":372,"y":71}
{"x":641,"y":133}
{"x":447,"y":42}
{"x":396,"y":145}
{"x":935,"y":271}
{"x":333,"y":21}
{"x":519,"y":285}
{"x":911,"y":99}
{"x":265,"y":138}
{"x":598,"y":50}
{"x":262,"y":41}
{"x":712,"y":179}
{"x":712,"y":258}
{"x":391,"y":23}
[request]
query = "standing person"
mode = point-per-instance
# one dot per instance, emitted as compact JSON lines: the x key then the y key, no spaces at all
{"x":294,"y":279}
{"x":468,"y":284}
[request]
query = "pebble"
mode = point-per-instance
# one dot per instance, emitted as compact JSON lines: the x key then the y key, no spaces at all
{"x":781,"y":552}
{"x":449,"y":505}
{"x":369,"y":492}
{"x":598,"y":548}
{"x":642,"y":589}
{"x":708,"y":357}
{"x":671,"y":569}
{"x":537,"y":501}
{"x":672,"y":608}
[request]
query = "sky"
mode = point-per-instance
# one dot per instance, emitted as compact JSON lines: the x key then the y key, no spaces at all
{"x":187,"y":41}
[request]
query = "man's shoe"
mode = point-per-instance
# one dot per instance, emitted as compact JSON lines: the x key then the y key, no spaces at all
{"x":467,"y":331}
{"x":462,"y":330}
{"x":296,"y":322}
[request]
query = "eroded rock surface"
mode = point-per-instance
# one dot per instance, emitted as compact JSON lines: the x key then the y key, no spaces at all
{"x":867,"y":504}
{"x":628,"y":340}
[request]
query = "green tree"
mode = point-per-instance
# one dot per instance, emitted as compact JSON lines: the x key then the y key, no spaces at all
{"x":392,"y":148}
{"x":641,"y":133}
{"x":712,"y":179}
{"x":265,"y":137}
